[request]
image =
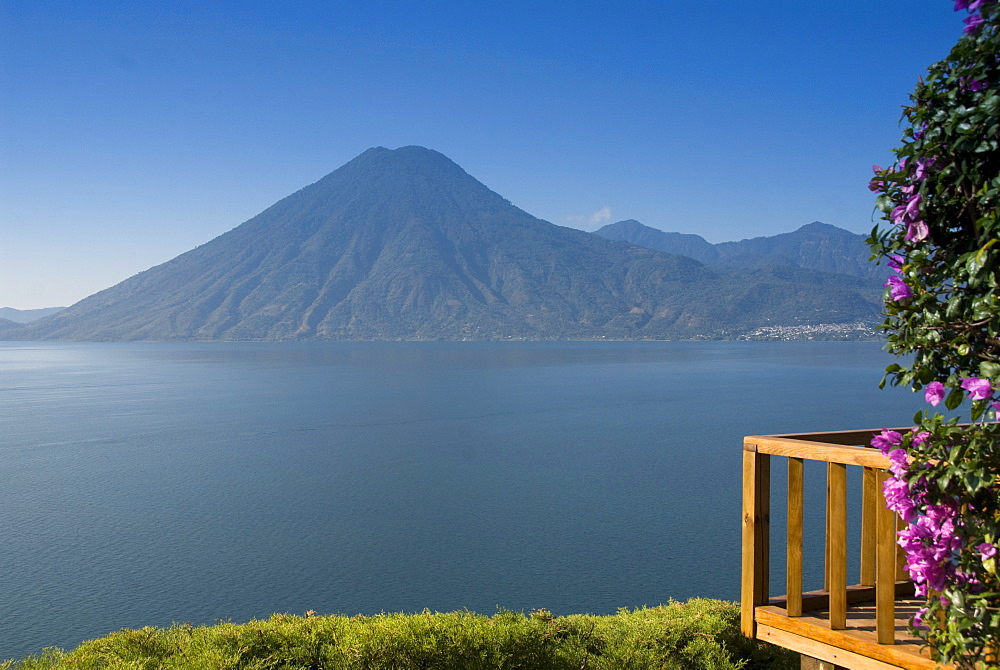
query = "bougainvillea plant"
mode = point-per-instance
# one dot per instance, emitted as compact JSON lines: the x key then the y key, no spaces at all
{"x":942,"y":201}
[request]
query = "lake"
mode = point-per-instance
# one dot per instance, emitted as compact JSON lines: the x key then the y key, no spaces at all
{"x":149,"y":483}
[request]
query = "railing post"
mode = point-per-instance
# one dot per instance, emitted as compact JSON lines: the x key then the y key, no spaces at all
{"x":756,"y":535}
{"x":793,"y":573}
{"x":885,"y":571}
{"x":836,"y":550}
{"x":871,"y":497}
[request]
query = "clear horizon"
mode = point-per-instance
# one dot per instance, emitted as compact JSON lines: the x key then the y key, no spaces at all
{"x":129,"y":135}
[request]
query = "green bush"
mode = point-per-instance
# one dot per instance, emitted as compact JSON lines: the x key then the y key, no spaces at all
{"x":699,"y":635}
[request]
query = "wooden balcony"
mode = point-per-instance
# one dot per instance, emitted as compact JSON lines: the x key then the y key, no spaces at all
{"x":861,"y":626}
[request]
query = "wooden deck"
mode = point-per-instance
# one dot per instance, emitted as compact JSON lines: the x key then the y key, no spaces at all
{"x":862,"y":626}
{"x":855,"y":646}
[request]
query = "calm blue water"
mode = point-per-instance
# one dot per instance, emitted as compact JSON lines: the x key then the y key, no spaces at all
{"x":144,"y":484}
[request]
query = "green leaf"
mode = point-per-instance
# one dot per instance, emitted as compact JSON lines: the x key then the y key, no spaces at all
{"x":991,"y":105}
{"x":989,"y":369}
{"x":972,"y":481}
{"x":980,"y":309}
{"x":954,"y":399}
{"x":972,"y":265}
{"x":984,"y":252}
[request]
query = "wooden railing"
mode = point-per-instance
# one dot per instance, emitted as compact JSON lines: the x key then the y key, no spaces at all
{"x":882,"y":579}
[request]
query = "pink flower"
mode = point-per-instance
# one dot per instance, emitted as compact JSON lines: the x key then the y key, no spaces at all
{"x":974,"y":85}
{"x":972,"y":22}
{"x":876,"y":184}
{"x":898,"y":462}
{"x":898,"y":498}
{"x":923,"y":167}
{"x":898,"y":289}
{"x":934,"y":393}
{"x":897,"y":214}
{"x":886,"y":440}
{"x":978,"y":388}
{"x":931,"y":545}
{"x":987,"y":550}
{"x":916,"y":231}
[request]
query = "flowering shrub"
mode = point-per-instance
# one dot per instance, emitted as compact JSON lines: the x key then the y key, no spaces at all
{"x":942,"y":198}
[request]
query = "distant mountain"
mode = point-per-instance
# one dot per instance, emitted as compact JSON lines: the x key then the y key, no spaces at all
{"x":404,"y":244}
{"x":633,"y":232}
{"x":7,"y":324}
{"x":27,"y":315}
{"x":815,"y":246}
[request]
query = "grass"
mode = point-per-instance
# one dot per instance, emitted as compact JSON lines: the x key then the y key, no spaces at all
{"x":701,"y":634}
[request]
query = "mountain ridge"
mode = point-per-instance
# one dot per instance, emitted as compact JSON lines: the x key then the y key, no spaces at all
{"x":26,"y":315}
{"x":816,"y":246}
{"x":405,"y":244}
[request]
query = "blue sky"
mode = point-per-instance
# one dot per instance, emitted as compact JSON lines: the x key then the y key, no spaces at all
{"x":131,"y":132}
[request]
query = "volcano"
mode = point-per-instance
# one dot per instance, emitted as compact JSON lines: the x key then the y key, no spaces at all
{"x":405,"y":245}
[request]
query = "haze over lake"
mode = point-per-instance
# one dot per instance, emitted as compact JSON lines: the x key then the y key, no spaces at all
{"x":144,"y":484}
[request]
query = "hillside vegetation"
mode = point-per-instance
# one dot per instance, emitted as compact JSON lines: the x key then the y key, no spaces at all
{"x":699,"y":635}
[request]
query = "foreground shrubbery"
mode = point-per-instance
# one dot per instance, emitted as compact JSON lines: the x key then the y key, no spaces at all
{"x":700,"y":634}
